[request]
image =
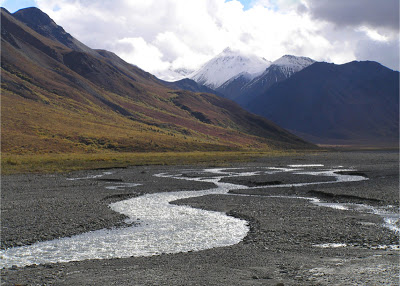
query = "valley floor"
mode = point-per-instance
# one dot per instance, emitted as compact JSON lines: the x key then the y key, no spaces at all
{"x":279,"y":248}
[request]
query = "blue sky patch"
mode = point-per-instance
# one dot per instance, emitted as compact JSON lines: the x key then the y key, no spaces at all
{"x":246,"y":3}
{"x":14,"y":5}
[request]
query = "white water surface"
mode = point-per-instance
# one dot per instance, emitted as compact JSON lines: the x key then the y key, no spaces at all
{"x":90,"y":176}
{"x":306,"y":165}
{"x":337,"y":245}
{"x":164,"y":227}
{"x":119,"y":186}
{"x":390,"y":214}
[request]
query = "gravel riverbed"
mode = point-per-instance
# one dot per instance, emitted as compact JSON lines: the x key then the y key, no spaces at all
{"x":287,"y":243}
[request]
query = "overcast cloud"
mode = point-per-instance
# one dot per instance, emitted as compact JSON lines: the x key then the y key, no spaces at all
{"x":373,"y":13}
{"x":158,"y":35}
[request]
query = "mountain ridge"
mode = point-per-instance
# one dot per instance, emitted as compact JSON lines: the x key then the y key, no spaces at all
{"x":57,"y":99}
{"x":275,"y":95}
{"x":243,"y":89}
{"x":45,"y":26}
{"x":353,"y":103}
{"x":280,"y":70}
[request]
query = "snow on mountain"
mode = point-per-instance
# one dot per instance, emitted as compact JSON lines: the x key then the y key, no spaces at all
{"x":243,"y":77}
{"x":279,"y":70}
{"x":243,"y":90}
{"x":228,"y":64}
{"x":291,"y":64}
{"x":174,"y":74}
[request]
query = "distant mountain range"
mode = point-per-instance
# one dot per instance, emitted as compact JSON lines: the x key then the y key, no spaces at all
{"x":58,"y":95}
{"x":352,"y":104}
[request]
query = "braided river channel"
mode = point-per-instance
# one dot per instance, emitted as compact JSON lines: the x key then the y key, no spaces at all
{"x":168,"y":228}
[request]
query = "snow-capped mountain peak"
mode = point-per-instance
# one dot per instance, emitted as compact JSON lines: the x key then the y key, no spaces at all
{"x":292,"y":64}
{"x":228,"y":64}
{"x":278,"y":71}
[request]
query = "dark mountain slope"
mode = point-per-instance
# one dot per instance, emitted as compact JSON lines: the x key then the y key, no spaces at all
{"x":261,"y":84}
{"x":354,"y":103}
{"x":62,"y":99}
{"x":233,"y":88}
{"x":45,"y":26}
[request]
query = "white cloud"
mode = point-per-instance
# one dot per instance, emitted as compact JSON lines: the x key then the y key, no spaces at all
{"x":168,"y":34}
{"x":373,"y":34}
{"x":141,"y":53}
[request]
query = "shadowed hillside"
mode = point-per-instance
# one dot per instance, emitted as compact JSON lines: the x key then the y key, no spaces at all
{"x":354,"y":103}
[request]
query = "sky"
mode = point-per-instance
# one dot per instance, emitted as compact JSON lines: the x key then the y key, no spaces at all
{"x":164,"y":35}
